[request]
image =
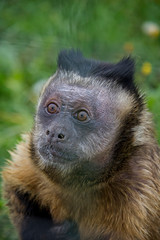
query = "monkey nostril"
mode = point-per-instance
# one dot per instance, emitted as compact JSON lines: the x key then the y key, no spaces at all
{"x":61,"y":136}
{"x":47,"y":132}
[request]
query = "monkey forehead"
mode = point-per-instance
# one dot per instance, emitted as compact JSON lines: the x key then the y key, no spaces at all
{"x":71,"y":85}
{"x":72,"y":79}
{"x":71,"y":92}
{"x":68,"y":90}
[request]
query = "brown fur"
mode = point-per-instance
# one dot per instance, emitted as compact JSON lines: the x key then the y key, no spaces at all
{"x":127,"y":206}
{"x":123,"y":202}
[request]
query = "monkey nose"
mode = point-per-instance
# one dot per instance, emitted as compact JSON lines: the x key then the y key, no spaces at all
{"x":57,"y":136}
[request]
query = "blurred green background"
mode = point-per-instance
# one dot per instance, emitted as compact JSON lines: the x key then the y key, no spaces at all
{"x":33,"y":32}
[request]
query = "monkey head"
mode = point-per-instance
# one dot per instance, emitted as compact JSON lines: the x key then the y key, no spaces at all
{"x":84,"y":112}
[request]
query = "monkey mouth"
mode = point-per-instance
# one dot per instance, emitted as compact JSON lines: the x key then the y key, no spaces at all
{"x":56,"y":154}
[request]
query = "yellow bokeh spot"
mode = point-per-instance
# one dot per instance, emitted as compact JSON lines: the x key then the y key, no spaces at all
{"x":146,"y":68}
{"x":128,"y":47}
{"x":155,"y":33}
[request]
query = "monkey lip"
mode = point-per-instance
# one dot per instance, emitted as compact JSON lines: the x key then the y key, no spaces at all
{"x":57,"y":154}
{"x":61,"y":156}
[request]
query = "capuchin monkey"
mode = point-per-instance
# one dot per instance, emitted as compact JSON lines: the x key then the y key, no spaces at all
{"x":90,"y":167}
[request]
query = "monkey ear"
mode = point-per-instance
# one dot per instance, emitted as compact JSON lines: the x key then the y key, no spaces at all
{"x":122,"y":72}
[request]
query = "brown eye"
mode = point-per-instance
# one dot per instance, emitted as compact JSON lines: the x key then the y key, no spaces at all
{"x":52,"y":108}
{"x":82,"y":115}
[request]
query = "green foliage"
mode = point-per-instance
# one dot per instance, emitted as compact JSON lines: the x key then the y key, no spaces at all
{"x":32,"y":33}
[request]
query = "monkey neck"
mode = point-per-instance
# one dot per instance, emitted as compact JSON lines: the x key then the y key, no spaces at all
{"x":94,"y":173}
{"x":80,"y":177}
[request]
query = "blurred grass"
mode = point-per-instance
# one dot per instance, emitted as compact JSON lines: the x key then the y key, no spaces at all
{"x":33,"y":32}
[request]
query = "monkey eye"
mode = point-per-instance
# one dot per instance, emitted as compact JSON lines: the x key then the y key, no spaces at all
{"x":52,"y":108}
{"x":81,"y":115}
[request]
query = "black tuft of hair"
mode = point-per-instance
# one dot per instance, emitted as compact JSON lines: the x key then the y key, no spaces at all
{"x":122,"y":72}
{"x":73,"y":60}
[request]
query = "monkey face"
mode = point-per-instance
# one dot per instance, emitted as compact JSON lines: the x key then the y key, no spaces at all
{"x":75,"y":124}
{"x":82,"y":118}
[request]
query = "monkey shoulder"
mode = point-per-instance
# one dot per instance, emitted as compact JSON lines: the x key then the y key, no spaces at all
{"x":21,"y":177}
{"x":32,"y":201}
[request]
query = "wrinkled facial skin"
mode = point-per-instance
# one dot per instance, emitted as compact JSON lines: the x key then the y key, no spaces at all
{"x":75,"y":125}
